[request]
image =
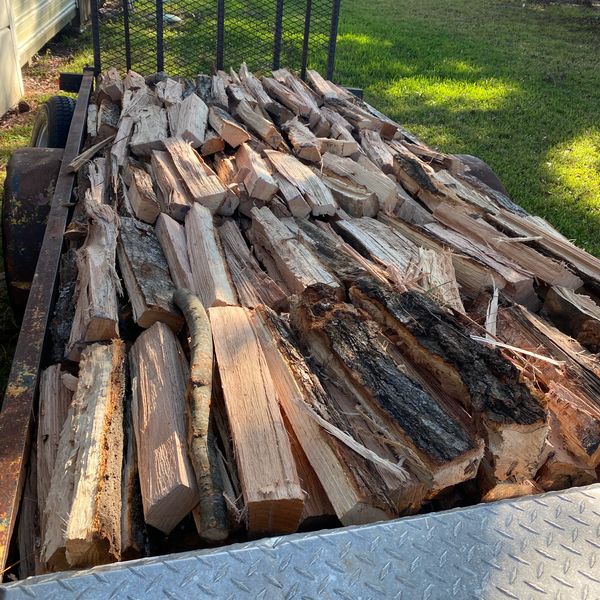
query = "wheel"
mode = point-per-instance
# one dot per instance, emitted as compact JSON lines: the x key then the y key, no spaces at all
{"x":52,"y":123}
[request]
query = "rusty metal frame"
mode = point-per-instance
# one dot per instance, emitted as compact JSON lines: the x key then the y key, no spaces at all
{"x":18,"y":408}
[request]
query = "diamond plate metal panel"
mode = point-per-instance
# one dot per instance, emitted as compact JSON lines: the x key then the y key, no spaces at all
{"x":525,"y":549}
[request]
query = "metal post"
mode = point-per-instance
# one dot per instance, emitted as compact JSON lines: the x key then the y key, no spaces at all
{"x":220,"y":32}
{"x":307,"y":16}
{"x":278,"y":29}
{"x":160,"y":51}
{"x":335,"y":18}
{"x":126,"y":30}
{"x":96,"y":36}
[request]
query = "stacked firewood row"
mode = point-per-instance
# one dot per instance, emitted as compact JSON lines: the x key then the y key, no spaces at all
{"x":280,"y":310}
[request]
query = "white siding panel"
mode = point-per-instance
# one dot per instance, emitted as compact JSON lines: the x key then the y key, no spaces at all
{"x":10,"y":82}
{"x":37,"y":21}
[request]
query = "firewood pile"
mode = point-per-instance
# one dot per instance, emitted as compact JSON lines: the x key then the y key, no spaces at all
{"x":279,"y":311}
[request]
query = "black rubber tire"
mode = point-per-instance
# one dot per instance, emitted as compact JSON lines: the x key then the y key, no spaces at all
{"x":55,"y":115}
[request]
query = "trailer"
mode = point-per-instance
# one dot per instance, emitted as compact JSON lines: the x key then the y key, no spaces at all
{"x":533,"y":547}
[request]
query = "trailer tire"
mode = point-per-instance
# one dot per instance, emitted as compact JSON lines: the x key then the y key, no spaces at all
{"x":52,"y":123}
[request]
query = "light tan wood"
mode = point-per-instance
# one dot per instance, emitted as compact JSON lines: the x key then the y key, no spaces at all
{"x":438,"y":278}
{"x":192,"y":119}
{"x":544,"y":268}
{"x":377,"y":150}
{"x":296,"y":264}
{"x":92,"y":120}
{"x":268,"y":476}
{"x":159,"y":374}
{"x":226,"y":127}
{"x":171,"y":236}
{"x":258,"y":181}
{"x":141,"y":195}
{"x":176,"y":200}
{"x":150,"y":130}
{"x":118,"y":151}
{"x":263,"y":127}
{"x":96,"y":314}
{"x":111,"y":84}
{"x":294,"y":200}
{"x":303,"y":140}
{"x":210,"y":275}
{"x":286,"y":96}
{"x":255,"y":88}
{"x":83,"y":510}
{"x":55,"y":400}
{"x":218,"y":93}
{"x":355,"y":199}
{"x":108,"y":119}
{"x":133,"y":81}
{"x":169,"y":91}
{"x":316,"y":194}
{"x":253,"y":285}
{"x":378,"y":183}
{"x":212,"y":144}
{"x":340,"y":147}
{"x":146,"y":275}
{"x":204,"y":186}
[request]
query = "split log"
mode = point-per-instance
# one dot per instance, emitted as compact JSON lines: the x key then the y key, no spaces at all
{"x":253,"y":285}
{"x":212,"y":144}
{"x":204,"y":87}
{"x":169,"y":91}
{"x":146,"y":275}
{"x":83,"y":511}
{"x":258,"y":180}
{"x":303,"y":140}
{"x":326,"y":89}
{"x":258,"y":124}
{"x":92,"y":121}
{"x":296,"y":265}
{"x":268,"y":476}
{"x":108,"y":120}
{"x":562,"y":470}
{"x":438,"y":278}
{"x":286,"y":96}
{"x":96,"y":314}
{"x":133,"y":81}
{"x":141,"y":194}
{"x":227,"y":172}
{"x":171,"y":236}
{"x":377,"y":150}
{"x":176,"y":200}
{"x":352,"y":485}
{"x":159,"y":374}
{"x":509,"y":416}
{"x":226,"y":127}
{"x":192,"y":120}
{"x":255,"y":88}
{"x":341,"y":147}
{"x":544,"y":268}
{"x":150,"y":130}
{"x":294,"y":200}
{"x":203,"y":185}
{"x":55,"y":400}
{"x":378,"y":183}
{"x":118,"y":151}
{"x":415,"y":425}
{"x":210,"y":275}
{"x":575,"y":314}
{"x":218,"y":93}
{"x":355,"y":199}
{"x":316,"y":194}
{"x":340,"y":128}
{"x":111,"y":84}
{"x":212,"y":515}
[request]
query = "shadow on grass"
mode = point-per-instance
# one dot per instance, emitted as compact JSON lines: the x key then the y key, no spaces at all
{"x":518,"y":87}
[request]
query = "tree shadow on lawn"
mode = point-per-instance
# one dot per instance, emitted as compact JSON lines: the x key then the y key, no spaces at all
{"x":529,"y":109}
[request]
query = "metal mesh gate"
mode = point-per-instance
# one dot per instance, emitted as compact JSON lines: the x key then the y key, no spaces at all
{"x":187,"y":37}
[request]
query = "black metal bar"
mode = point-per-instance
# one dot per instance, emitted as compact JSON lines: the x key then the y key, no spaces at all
{"x":127,"y":32}
{"x":278,"y":31}
{"x":307,"y":17}
{"x":335,"y":19}
{"x":95,"y":36}
{"x":160,"y":50}
{"x":220,"y":33}
{"x":18,"y":407}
